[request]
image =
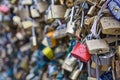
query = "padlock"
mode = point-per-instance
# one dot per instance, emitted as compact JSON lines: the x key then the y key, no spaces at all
{"x":114,"y":8}
{"x":34,"y":12}
{"x":106,"y":58}
{"x":91,"y":78}
{"x":30,"y":76}
{"x":91,"y":10}
{"x":47,"y":51}
{"x":110,"y":26}
{"x":25,"y":64}
{"x":62,"y":2}
{"x":69,"y":63}
{"x":117,"y":64}
{"x":27,"y":24}
{"x":24,"y":10}
{"x":26,"y":2}
{"x":34,"y":41}
{"x":16,"y":19}
{"x":106,"y":76}
{"x":20,"y":36}
{"x":19,"y":75}
{"x":42,"y":6}
{"x":60,"y":31}
{"x":4,"y":9}
{"x":110,"y":39}
{"x":25,"y":47}
{"x":76,"y":73}
{"x":13,"y":1}
{"x":66,"y":15}
{"x":70,"y":24}
{"x":80,"y":51}
{"x":69,"y":3}
{"x":57,"y":11}
{"x":101,"y":47}
{"x":49,"y":40}
{"x":101,"y":67}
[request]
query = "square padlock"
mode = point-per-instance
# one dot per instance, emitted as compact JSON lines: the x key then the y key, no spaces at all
{"x":110,"y":26}
{"x":98,"y":46}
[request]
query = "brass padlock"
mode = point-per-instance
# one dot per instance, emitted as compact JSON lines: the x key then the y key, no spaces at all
{"x":110,"y":26}
{"x":98,"y":46}
{"x":101,"y":67}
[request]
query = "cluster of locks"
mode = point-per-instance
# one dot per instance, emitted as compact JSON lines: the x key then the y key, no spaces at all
{"x":59,"y":40}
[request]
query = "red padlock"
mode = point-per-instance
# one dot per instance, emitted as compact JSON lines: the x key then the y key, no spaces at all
{"x":4,"y":9}
{"x":80,"y":51}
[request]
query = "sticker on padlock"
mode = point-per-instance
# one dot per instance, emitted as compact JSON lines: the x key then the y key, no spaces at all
{"x":98,"y":46}
{"x":110,"y":26}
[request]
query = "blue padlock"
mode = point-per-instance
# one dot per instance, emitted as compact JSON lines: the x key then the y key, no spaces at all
{"x":114,"y":8}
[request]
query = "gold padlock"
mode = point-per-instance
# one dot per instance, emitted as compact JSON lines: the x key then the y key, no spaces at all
{"x":110,"y":26}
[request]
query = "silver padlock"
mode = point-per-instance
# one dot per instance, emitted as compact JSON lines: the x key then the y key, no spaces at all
{"x":71,"y":24}
{"x":76,"y":73}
